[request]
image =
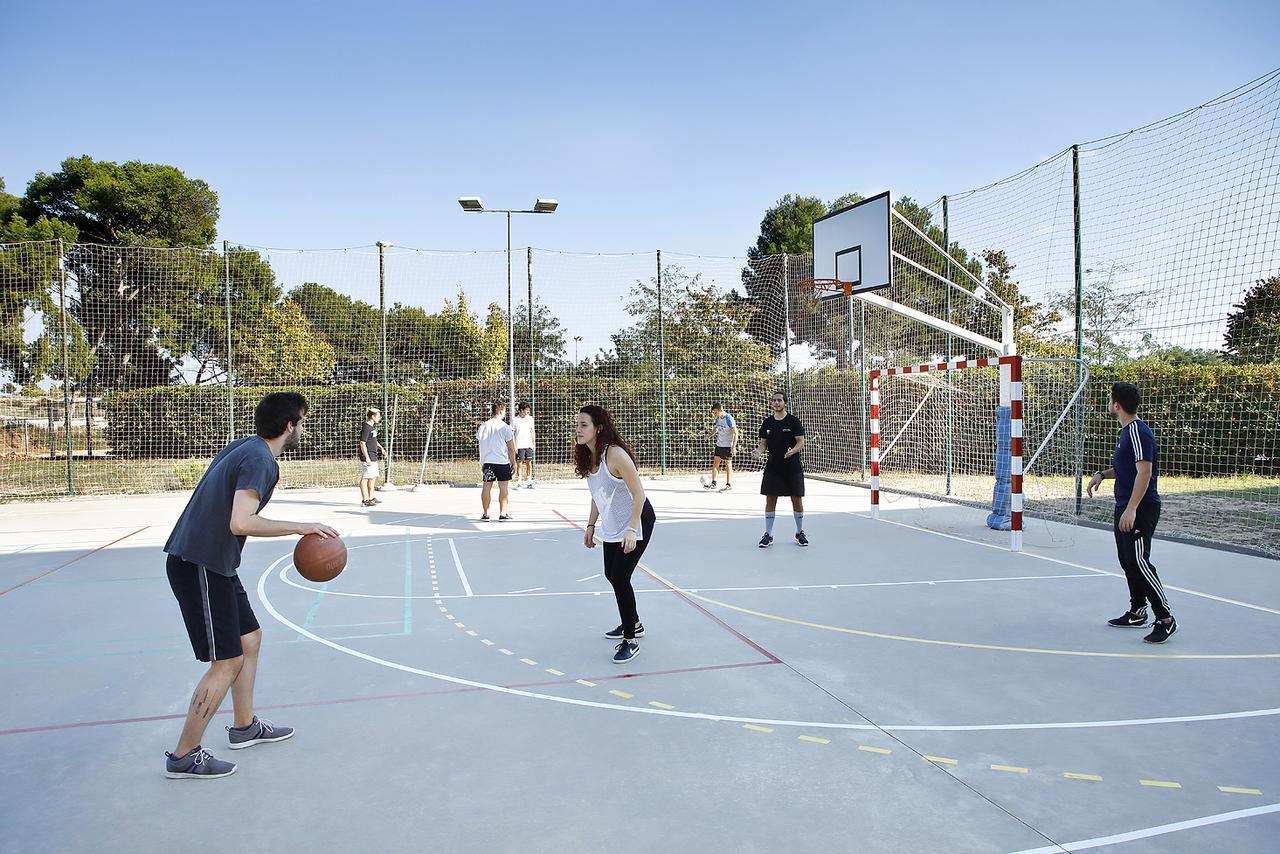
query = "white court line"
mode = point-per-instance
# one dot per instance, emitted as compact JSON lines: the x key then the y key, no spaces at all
{"x":457,"y":561}
{"x":645,"y":710}
{"x":1148,"y":832}
{"x":690,"y":589}
{"x":1186,"y":590}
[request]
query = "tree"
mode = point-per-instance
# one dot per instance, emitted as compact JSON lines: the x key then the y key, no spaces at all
{"x":1105,"y":313}
{"x":1035,"y":326}
{"x":703,"y":330}
{"x":547,"y":340}
{"x":351,"y":326}
{"x":138,"y":310}
{"x":283,"y":349}
{"x":1253,"y":329}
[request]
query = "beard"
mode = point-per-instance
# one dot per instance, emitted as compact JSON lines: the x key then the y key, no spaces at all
{"x":294,"y":439}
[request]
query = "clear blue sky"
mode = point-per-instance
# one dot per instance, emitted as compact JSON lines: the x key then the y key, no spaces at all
{"x":657,"y":125}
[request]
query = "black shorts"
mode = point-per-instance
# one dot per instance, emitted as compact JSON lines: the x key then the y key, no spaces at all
{"x":724,"y":452}
{"x":786,"y":479}
{"x":523,"y":454}
{"x":500,"y":472}
{"x":214,"y":607}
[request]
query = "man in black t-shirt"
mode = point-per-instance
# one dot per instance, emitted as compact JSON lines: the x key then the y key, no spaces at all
{"x":782,"y":435}
{"x":204,"y":553}
{"x":367,"y":450}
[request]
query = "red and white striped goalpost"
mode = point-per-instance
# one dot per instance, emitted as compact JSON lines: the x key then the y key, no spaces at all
{"x":1010,"y":382}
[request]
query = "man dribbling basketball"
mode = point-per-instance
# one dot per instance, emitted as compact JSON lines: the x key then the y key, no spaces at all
{"x":204,"y":552}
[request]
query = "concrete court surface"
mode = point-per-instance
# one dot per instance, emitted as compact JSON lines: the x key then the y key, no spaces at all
{"x":903,"y":685}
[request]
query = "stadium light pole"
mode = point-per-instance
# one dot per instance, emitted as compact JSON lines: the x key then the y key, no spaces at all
{"x":472,"y":204}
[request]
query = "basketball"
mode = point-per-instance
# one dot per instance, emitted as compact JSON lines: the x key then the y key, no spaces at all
{"x":318,"y":558}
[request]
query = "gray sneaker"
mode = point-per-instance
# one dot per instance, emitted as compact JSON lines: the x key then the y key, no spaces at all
{"x":199,"y":764}
{"x":258,"y":732}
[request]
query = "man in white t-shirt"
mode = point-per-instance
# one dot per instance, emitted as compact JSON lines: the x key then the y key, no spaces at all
{"x":497,"y":450}
{"x":523,"y":424}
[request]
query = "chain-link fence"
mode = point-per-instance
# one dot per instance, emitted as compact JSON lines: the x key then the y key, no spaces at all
{"x":1153,"y":257}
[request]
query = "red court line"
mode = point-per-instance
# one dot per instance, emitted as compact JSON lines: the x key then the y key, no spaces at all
{"x":73,"y":560}
{"x":773,"y":659}
{"x":373,"y":698}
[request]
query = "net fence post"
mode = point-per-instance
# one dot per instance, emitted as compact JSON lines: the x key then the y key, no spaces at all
{"x":1079,"y":293}
{"x":946,"y":263}
{"x":532,"y":349}
{"x":66,"y":367}
{"x":786,"y":320}
{"x":875,"y":443}
{"x":1015,"y":451}
{"x":382,"y":319}
{"x":231,"y":382}
{"x":662,"y":372}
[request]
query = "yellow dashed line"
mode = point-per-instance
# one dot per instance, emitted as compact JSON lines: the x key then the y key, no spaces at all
{"x":461,"y":625}
{"x":528,"y":661}
{"x":505,"y":651}
{"x":1071,"y":776}
{"x":473,"y":633}
{"x":486,"y":642}
{"x":658,"y":705}
{"x":869,"y":749}
{"x":623,"y":694}
{"x":585,"y":682}
{"x":814,"y":739}
{"x":757,"y":728}
{"x":448,"y":616}
{"x":1161,"y":784}
{"x":1013,"y":769}
{"x":942,"y":760}
{"x":1236,"y":790}
{"x":555,"y":672}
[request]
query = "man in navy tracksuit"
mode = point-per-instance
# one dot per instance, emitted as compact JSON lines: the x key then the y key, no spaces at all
{"x":1135,"y":467}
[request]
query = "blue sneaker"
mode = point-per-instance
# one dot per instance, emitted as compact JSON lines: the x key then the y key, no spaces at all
{"x":616,"y":634}
{"x":625,"y":651}
{"x":199,"y":764}
{"x":766,"y":541}
{"x":258,"y":732}
{"x":801,"y":539}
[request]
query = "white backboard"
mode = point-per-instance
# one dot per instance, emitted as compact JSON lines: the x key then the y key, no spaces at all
{"x":852,"y":245}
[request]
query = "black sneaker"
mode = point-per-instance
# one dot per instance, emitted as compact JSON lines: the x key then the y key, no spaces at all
{"x":801,"y":539}
{"x":766,"y":541}
{"x":1130,"y":620}
{"x":728,"y":487}
{"x":199,"y":764}
{"x":625,"y":651}
{"x":258,"y":732}
{"x":616,"y":634}
{"x":504,"y":518}
{"x":1161,"y":631}
{"x":484,"y":518}
{"x":368,"y":502}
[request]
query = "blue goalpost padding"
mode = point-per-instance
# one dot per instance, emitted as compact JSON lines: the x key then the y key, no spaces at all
{"x":999,"y":518}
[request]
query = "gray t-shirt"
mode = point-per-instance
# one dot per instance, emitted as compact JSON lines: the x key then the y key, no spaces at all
{"x":203,"y":533}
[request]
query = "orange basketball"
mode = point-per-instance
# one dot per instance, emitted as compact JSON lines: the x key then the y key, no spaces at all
{"x":318,"y":558}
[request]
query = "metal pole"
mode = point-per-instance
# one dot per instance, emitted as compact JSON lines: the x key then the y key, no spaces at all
{"x":1079,"y":275}
{"x":511,"y":336}
{"x":946,"y":244}
{"x":862,"y":384}
{"x":662,"y":369}
{"x":382,"y":312}
{"x":66,"y":366}
{"x":855,"y":389}
{"x":532,"y":351}
{"x":231,"y":383}
{"x":422,"y":472}
{"x":786,"y":318}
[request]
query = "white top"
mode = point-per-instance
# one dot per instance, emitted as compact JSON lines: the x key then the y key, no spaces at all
{"x":524,"y":431}
{"x":613,"y":499}
{"x":493,"y":436}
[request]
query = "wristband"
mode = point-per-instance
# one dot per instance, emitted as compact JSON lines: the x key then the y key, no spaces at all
{"x":592,"y":525}
{"x":633,"y":530}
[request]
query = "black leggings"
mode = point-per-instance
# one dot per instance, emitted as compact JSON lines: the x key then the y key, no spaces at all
{"x":618,"y":567}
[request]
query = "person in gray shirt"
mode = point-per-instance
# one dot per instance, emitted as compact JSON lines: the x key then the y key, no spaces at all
{"x":204,"y":554}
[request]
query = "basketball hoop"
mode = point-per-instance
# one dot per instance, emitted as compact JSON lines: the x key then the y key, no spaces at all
{"x":823,"y":288}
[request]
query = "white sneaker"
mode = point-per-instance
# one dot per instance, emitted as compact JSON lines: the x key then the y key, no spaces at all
{"x":515,"y":485}
{"x":528,"y":485}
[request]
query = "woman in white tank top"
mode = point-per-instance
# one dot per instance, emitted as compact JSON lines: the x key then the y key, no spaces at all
{"x":621,"y":516}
